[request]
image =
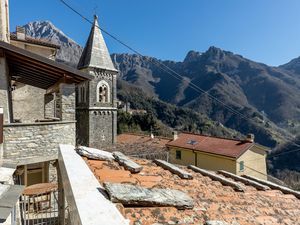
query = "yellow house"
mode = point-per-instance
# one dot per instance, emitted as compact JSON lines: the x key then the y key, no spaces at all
{"x":213,"y":153}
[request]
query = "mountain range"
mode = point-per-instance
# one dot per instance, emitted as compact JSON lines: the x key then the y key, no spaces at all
{"x":239,"y":93}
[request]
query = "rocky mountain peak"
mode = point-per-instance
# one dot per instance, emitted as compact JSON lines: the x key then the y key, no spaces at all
{"x":192,"y":56}
{"x":216,"y":53}
{"x":69,"y":52}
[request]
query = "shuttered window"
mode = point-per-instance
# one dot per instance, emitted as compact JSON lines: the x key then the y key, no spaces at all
{"x":178,"y":154}
{"x":242,"y":166}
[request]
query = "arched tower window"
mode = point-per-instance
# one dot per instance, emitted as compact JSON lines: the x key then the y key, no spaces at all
{"x":103,"y":92}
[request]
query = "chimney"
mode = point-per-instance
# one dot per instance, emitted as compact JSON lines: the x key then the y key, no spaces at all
{"x":20,"y":33}
{"x":4,"y":21}
{"x":152,"y":135}
{"x":250,"y":138}
{"x":175,"y":135}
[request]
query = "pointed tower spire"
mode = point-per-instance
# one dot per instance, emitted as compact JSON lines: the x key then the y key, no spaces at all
{"x":95,"y":53}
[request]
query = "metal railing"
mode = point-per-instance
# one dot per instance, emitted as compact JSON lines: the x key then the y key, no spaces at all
{"x":41,"y":209}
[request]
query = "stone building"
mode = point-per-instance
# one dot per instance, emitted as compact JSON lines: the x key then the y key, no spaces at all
{"x":37,"y":95}
{"x":241,"y":157}
{"x":96,"y":107}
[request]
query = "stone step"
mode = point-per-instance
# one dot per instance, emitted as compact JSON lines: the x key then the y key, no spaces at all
{"x":133,"y":195}
{"x":173,"y":169}
{"x":272,"y":185}
{"x":246,"y":181}
{"x":216,"y":177}
{"x":128,"y":164}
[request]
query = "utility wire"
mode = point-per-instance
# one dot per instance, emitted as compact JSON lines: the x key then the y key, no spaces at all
{"x":275,"y":155}
{"x":165,"y":68}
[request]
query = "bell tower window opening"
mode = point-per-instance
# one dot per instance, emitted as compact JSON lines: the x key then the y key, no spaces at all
{"x":103,"y":92}
{"x":82,"y":94}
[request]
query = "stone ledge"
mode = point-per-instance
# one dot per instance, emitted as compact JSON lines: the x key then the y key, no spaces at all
{"x":37,"y":124}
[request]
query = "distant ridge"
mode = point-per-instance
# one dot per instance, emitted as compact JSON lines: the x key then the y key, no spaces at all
{"x":268,"y":95}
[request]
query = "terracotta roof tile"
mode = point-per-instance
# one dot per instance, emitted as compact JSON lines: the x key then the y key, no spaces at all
{"x":135,"y":145}
{"x":212,"y":200}
{"x":221,"y":146}
{"x":135,"y":138}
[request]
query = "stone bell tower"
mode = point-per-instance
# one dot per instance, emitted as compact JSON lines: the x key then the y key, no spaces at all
{"x":96,"y":107}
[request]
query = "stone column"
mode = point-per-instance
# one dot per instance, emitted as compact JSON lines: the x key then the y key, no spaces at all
{"x":4,"y":21}
{"x":4,"y":88}
{"x":68,"y":101}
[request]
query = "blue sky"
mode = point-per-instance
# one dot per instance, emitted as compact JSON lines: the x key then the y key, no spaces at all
{"x":267,"y":31}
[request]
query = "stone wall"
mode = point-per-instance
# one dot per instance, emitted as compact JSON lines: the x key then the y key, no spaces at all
{"x":102,"y":128}
{"x":4,"y":94}
{"x":68,"y":101}
{"x":49,"y":105}
{"x":82,"y":127}
{"x":28,"y":103}
{"x":36,"y":140}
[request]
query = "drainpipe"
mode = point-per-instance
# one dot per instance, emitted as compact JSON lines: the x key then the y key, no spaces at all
{"x":196,"y":158}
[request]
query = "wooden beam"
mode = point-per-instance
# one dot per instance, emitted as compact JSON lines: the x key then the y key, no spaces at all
{"x":32,"y":67}
{"x":2,"y":53}
{"x":38,"y":64}
{"x":55,"y":88}
{"x":32,"y":79}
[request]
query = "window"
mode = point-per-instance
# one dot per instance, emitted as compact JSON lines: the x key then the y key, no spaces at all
{"x":192,"y":142}
{"x":178,"y":154}
{"x":103,"y":92}
{"x":81,"y":93}
{"x":242,"y":166}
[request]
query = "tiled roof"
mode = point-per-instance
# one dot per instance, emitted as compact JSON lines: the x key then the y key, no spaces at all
{"x":136,"y":138}
{"x":135,"y":144}
{"x":34,"y":41}
{"x":212,"y":200}
{"x":215,"y":145}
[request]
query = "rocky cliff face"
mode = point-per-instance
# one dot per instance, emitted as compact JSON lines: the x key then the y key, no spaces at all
{"x":69,"y":52}
{"x":238,"y":82}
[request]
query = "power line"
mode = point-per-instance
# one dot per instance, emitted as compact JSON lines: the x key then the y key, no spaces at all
{"x":274,"y":155}
{"x":283,"y":153}
{"x":166,"y":68}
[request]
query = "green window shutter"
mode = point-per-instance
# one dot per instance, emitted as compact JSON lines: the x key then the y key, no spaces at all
{"x":242,"y":165}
